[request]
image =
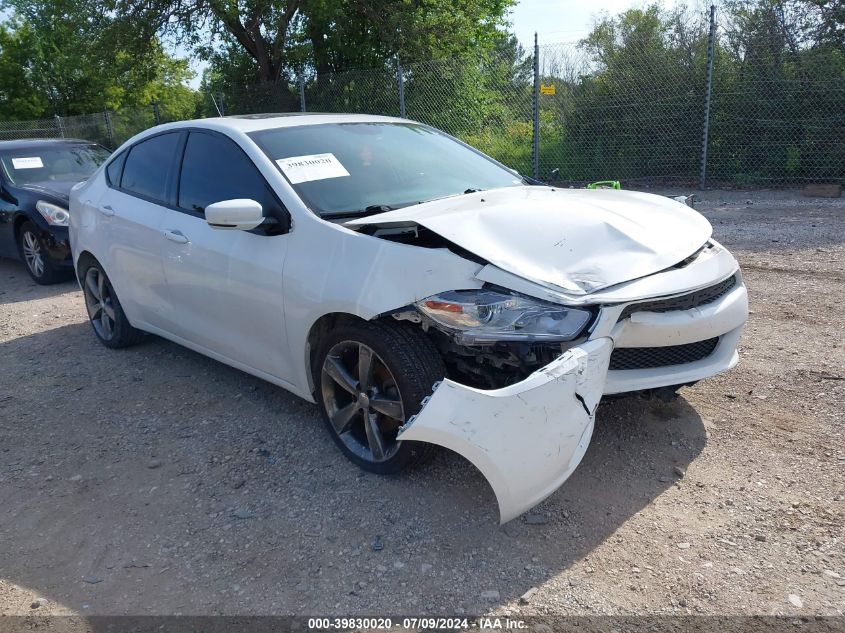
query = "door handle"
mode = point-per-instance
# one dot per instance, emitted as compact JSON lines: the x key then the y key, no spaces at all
{"x":176,"y":236}
{"x":106,"y":210}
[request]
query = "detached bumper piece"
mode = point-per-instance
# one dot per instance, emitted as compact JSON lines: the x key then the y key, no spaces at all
{"x":527,"y":438}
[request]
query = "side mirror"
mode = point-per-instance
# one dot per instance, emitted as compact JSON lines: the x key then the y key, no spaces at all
{"x":241,"y":214}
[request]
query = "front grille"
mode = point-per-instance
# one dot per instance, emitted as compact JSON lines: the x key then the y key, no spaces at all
{"x":684,"y":302}
{"x":645,"y":357}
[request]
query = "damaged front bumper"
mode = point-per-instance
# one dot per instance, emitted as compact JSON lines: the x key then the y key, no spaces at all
{"x":527,"y":438}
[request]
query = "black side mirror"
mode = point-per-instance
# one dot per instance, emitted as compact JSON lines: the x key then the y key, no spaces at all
{"x":276,"y":223}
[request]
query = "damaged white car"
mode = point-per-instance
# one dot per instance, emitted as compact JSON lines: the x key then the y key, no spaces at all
{"x":420,"y":292}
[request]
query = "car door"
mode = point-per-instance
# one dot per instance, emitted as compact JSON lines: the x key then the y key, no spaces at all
{"x":225,"y":286}
{"x":131,"y":210}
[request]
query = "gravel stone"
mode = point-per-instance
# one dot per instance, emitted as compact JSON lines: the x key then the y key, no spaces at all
{"x":312,"y":540}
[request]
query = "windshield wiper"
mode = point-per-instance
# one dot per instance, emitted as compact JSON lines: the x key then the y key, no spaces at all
{"x":373,"y":209}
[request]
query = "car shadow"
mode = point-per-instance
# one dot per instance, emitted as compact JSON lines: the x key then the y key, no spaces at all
{"x":16,"y":285}
{"x":153,"y":480}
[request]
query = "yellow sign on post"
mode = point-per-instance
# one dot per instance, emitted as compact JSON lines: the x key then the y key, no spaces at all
{"x":547,"y":90}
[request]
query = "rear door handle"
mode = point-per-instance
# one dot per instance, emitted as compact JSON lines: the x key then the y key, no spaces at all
{"x":176,"y":236}
{"x":106,"y":210}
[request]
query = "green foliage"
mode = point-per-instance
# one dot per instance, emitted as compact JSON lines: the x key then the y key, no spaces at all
{"x":334,"y":36}
{"x":476,"y":97}
{"x":17,"y":100}
{"x":62,"y":57}
{"x":633,"y":106}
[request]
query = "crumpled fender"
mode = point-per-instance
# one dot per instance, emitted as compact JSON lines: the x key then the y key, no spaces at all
{"x":527,"y":438}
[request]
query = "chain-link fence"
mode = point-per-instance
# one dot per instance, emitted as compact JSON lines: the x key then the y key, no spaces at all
{"x":573,"y":113}
{"x":109,"y":129}
{"x":632,"y":117}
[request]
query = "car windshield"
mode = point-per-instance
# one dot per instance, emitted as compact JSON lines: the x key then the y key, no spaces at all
{"x":41,"y":165}
{"x":357,"y":168}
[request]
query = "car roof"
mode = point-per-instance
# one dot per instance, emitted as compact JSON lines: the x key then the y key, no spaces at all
{"x":34,"y":143}
{"x":247,"y":123}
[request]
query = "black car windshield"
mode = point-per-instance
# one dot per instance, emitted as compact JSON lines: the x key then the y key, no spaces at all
{"x":355,"y":168}
{"x":40,"y":165}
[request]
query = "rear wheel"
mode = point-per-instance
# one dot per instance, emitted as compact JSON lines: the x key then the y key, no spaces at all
{"x":104,"y":310}
{"x":370,"y":379}
{"x":36,"y":258}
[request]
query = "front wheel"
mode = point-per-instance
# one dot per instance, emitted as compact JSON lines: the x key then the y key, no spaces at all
{"x":370,"y":379}
{"x":36,"y":258}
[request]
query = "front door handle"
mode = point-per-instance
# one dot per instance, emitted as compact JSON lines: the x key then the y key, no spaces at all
{"x":106,"y":210}
{"x":176,"y":236}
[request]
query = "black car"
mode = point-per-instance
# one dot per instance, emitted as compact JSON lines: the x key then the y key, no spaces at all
{"x":36,"y":177}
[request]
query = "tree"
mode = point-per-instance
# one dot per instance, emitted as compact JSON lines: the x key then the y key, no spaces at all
{"x":64,"y":57}
{"x":17,"y":99}
{"x":277,"y":38}
{"x":259,"y":28}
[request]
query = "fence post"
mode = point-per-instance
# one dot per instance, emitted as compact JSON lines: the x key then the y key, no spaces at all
{"x":59,"y":126}
{"x":302,"y":94}
{"x":109,"y":128}
{"x":222,"y":105}
{"x":156,"y":113}
{"x":535,"y":145}
{"x":705,"y":133}
{"x":400,"y":79}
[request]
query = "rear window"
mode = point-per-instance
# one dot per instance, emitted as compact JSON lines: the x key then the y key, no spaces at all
{"x":148,"y":166}
{"x":115,"y":169}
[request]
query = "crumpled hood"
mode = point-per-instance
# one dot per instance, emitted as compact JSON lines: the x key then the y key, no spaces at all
{"x":577,"y":240}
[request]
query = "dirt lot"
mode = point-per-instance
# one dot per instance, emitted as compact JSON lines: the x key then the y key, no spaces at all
{"x":156,"y":481}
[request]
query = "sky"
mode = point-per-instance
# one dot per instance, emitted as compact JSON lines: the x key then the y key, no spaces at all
{"x":564,"y":20}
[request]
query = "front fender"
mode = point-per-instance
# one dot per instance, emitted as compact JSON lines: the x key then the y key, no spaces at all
{"x":527,"y":438}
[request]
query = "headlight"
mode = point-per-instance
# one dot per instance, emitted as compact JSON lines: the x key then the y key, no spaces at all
{"x":53,"y":213}
{"x":485,"y":316}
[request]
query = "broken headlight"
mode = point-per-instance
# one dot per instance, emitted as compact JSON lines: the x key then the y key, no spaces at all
{"x":476,"y":317}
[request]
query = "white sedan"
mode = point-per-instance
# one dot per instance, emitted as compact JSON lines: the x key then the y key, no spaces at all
{"x":418,"y":291}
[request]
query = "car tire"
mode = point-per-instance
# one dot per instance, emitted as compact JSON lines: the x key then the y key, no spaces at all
{"x":105,"y":313}
{"x":34,"y":254}
{"x":404,"y":367}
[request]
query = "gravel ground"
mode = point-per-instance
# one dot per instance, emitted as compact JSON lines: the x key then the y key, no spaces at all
{"x":156,"y":481}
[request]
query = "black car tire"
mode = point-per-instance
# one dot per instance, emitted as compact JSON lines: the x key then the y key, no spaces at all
{"x":105,"y":313}
{"x":413,"y":365}
{"x":36,"y":259}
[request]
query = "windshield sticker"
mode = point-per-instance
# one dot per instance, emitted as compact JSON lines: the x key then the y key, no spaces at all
{"x":32,"y":162}
{"x":312,"y":167}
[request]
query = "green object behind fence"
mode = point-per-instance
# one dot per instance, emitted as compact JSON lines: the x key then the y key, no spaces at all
{"x":605,"y":184}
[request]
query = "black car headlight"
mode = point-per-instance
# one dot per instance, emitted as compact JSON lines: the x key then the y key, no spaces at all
{"x":53,"y":213}
{"x":476,"y":317}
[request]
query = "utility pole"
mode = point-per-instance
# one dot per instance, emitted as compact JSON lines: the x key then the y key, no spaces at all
{"x":705,"y":133}
{"x":535,"y":145}
{"x":109,"y":128}
{"x":400,"y":79}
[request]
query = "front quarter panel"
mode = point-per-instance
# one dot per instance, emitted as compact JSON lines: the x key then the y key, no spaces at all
{"x":331,"y":269}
